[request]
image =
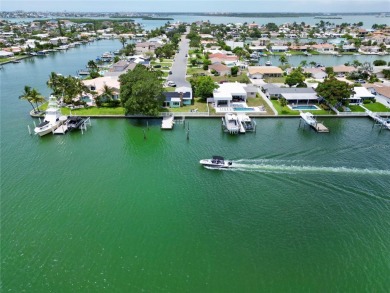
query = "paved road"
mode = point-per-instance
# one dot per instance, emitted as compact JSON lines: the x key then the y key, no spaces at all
{"x":179,"y":66}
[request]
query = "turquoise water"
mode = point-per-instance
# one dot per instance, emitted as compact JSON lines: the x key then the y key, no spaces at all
{"x":239,"y":109}
{"x":306,"y":107}
{"x":108,"y":210}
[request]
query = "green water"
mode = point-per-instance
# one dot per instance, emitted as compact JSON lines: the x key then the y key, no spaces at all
{"x":112,"y":211}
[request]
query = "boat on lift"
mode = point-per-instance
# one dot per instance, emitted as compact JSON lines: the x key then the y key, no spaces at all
{"x":52,"y":118}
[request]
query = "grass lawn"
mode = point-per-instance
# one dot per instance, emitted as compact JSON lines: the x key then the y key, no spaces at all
{"x":275,"y":79}
{"x":287,"y":111}
{"x":94,"y":111}
{"x":199,"y":104}
{"x":240,"y":78}
{"x":356,"y":108}
{"x":192,"y":70}
{"x":377,"y":107}
{"x":256,"y":102}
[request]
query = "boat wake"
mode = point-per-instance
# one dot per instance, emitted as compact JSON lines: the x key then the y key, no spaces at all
{"x":291,"y":167}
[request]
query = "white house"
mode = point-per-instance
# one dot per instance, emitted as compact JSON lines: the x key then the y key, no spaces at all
{"x":361,"y":93}
{"x":229,"y":91}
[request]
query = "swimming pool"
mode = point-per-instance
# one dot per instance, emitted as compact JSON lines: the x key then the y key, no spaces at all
{"x":239,"y":109}
{"x":305,"y":107}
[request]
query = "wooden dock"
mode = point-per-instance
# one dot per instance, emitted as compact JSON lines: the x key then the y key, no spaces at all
{"x":379,"y":121}
{"x":320,"y":127}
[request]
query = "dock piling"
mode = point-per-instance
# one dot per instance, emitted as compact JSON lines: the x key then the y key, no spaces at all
{"x":29,"y":130}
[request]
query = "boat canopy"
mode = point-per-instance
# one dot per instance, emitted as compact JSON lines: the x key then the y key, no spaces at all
{"x":218,"y":158}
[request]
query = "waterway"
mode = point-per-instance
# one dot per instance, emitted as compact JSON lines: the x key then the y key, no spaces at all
{"x":108,"y":210}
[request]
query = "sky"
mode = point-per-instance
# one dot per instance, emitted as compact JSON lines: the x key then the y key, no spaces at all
{"x":331,"y":6}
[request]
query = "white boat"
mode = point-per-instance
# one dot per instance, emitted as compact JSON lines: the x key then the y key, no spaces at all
{"x":231,"y":123}
{"x":167,"y":122}
{"x":52,"y":118}
{"x":246,"y":123}
{"x":308,"y":118}
{"x":268,"y":63}
{"x":216,"y":162}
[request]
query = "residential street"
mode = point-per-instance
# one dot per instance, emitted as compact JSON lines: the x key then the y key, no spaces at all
{"x":179,"y":66}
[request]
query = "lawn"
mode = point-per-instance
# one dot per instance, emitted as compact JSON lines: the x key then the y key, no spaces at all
{"x":243,"y":78}
{"x":192,"y":70}
{"x":287,"y":111}
{"x":356,"y":108}
{"x":94,"y":111}
{"x":377,"y":107}
{"x":256,"y":102}
{"x":199,"y":104}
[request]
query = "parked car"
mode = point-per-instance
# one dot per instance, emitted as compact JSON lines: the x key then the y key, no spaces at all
{"x":361,"y":81}
{"x":171,"y":83}
{"x":157,"y":66}
{"x":170,"y":72}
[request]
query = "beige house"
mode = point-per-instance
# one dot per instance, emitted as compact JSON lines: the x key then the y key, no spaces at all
{"x":259,"y":72}
{"x":220,"y":68}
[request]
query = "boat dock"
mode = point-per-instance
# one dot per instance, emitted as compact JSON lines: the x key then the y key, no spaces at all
{"x":309,"y":119}
{"x":64,"y":127}
{"x":167,"y":122}
{"x":379,"y":121}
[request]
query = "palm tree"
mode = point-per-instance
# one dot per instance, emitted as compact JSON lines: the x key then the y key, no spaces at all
{"x":313,"y":63}
{"x":91,"y":64}
{"x":283,"y":59}
{"x":107,"y":92}
{"x":36,"y":98}
{"x":26,"y":95}
{"x":123,"y":41}
{"x":303,"y":63}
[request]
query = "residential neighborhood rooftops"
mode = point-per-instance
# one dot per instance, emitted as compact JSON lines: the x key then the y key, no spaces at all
{"x":264,"y":70}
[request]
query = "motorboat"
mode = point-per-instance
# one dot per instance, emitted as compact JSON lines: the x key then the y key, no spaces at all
{"x":246,"y":123}
{"x":74,"y":122}
{"x":231,"y":123}
{"x":52,"y":118}
{"x":216,"y":162}
{"x":268,"y":63}
{"x":309,"y":118}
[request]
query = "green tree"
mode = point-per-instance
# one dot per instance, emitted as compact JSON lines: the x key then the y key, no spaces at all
{"x":303,"y":63}
{"x":123,"y":41}
{"x":283,"y":102}
{"x":91,"y":64}
{"x":329,"y":71}
{"x":379,"y":63}
{"x":203,"y":86}
{"x":334,"y":91}
{"x":283,"y":59}
{"x":234,"y":70}
{"x":141,"y":91}
{"x":36,"y":98}
{"x":26,"y":95}
{"x":296,"y":77}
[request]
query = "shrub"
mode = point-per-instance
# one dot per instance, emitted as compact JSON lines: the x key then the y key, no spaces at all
{"x":367,"y":101}
{"x":379,"y":62}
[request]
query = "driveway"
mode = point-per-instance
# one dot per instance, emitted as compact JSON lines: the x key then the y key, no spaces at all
{"x":179,"y":66}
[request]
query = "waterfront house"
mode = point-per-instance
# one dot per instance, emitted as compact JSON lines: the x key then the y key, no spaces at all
{"x":228,"y":92}
{"x":97,"y":85}
{"x":279,"y":48}
{"x":323,"y":48}
{"x":292,"y":95}
{"x":299,"y":48}
{"x":5,"y":54}
{"x":360,"y":94}
{"x":182,"y":96}
{"x":233,"y":44}
{"x":342,"y":69}
{"x":259,"y":72}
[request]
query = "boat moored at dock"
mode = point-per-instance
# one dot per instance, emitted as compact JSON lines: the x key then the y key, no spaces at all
{"x":52,"y":119}
{"x":310,"y":120}
{"x":246,"y":123}
{"x":230,"y":123}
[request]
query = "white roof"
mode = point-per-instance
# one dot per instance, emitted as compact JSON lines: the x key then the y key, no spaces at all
{"x":233,"y":88}
{"x":362,"y":92}
{"x":5,"y":53}
{"x":300,"y":96}
{"x":175,"y":99}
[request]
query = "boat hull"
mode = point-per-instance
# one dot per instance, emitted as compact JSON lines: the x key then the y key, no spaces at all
{"x":209,"y":163}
